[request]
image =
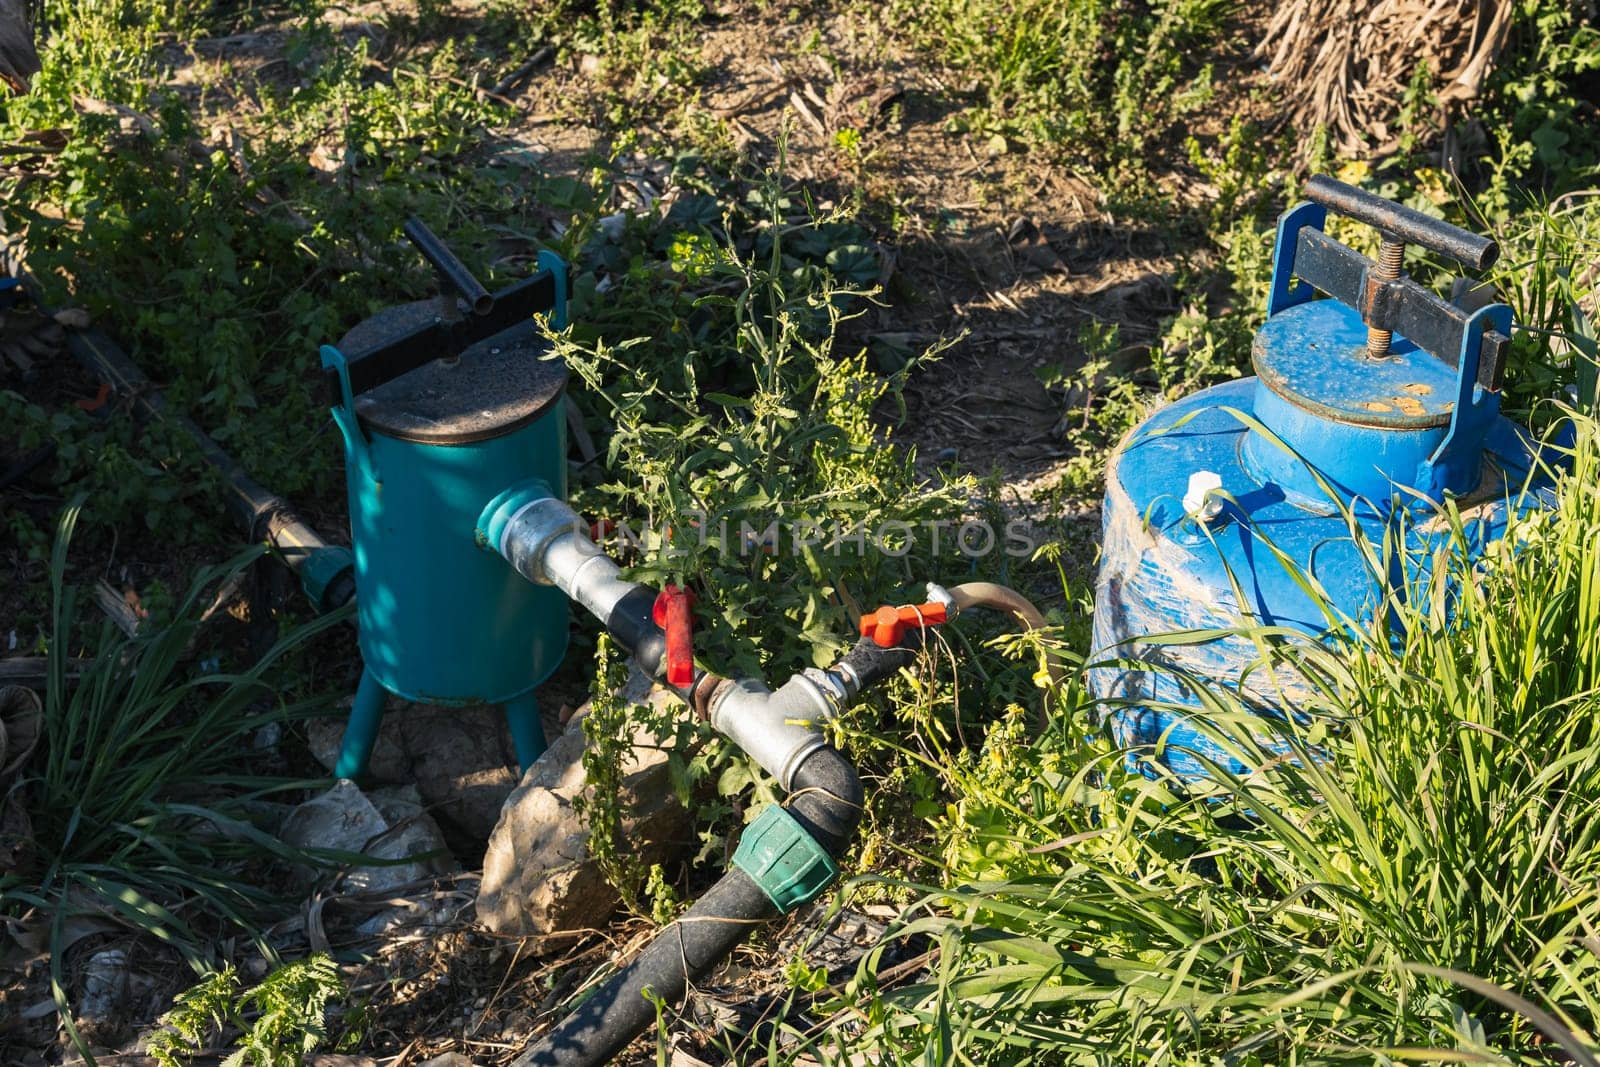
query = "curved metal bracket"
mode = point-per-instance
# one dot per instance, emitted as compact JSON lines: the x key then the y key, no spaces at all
{"x":357,"y":447}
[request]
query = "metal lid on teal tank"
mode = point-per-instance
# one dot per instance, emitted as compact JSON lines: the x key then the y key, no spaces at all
{"x":468,"y":366}
{"x":494,"y":387}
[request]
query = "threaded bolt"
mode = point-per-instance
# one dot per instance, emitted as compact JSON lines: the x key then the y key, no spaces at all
{"x":1390,"y":258}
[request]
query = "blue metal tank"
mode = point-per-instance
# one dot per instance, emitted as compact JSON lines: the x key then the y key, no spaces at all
{"x":443,"y":405}
{"x":1368,"y":409}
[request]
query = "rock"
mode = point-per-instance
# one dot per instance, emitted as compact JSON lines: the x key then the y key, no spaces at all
{"x":267,"y":738}
{"x":460,"y":759}
{"x":387,"y":824}
{"x":100,"y":1009}
{"x":449,"y":1059}
{"x":538,"y":876}
{"x":426,"y":911}
{"x":21,"y":720}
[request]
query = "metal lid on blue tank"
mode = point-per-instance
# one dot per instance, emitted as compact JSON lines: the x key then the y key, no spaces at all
{"x":1315,"y":356}
{"x":495,"y":387}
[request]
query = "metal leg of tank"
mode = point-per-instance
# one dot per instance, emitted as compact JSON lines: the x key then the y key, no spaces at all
{"x":366,"y":714}
{"x":527,"y":732}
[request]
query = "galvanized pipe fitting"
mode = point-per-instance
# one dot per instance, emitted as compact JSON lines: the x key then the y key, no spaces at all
{"x":547,"y":543}
{"x":779,"y":730}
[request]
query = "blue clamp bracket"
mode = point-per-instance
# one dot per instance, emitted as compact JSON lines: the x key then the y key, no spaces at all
{"x":1454,"y":466}
{"x":1284,"y":295}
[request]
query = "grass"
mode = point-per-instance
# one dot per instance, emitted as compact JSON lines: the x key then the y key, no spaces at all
{"x":1096,"y":83}
{"x":142,"y":814}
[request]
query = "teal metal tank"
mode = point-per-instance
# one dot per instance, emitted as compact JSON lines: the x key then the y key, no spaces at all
{"x":438,"y":420}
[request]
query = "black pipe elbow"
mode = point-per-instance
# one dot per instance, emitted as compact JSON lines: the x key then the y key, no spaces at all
{"x":632,"y":622}
{"x":825,"y":797}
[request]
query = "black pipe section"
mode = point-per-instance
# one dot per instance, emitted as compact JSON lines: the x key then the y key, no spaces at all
{"x":826,"y":800}
{"x":872,"y":663}
{"x":605,"y":1023}
{"x":264,"y":515}
{"x":632,"y":622}
{"x":451,"y":270}
{"x":825,"y":797}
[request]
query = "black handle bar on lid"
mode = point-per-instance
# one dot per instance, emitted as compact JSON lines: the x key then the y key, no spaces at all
{"x":1387,"y":300}
{"x":493,"y":313}
{"x":1404,"y":224}
{"x":451,"y":270}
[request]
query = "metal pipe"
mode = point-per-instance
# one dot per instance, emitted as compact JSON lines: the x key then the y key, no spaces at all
{"x":546,"y":542}
{"x":451,"y":270}
{"x":779,"y":730}
{"x":1402,"y":223}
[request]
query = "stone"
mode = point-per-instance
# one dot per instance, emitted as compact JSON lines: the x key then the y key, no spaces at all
{"x":388,"y":824}
{"x":538,"y":876}
{"x":460,"y":759}
{"x":100,"y":1008}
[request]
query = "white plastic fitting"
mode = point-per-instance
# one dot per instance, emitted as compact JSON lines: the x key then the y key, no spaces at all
{"x":1201,"y":500}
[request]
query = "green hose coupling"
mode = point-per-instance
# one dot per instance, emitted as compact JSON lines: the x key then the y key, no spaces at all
{"x":784,"y":860}
{"x":321,"y":569}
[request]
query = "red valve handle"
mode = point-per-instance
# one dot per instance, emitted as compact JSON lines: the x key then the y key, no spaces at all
{"x":672,"y":612}
{"x":888,"y":625}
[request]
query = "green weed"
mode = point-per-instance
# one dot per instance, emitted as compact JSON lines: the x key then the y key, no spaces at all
{"x":279,"y":1022}
{"x":1092,"y":81}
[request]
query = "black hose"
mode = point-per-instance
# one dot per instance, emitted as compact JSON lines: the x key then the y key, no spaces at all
{"x":826,"y":800}
{"x":685,"y":951}
{"x":825,"y":797}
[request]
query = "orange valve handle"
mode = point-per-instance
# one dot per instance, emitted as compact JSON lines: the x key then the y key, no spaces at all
{"x":673,"y":613}
{"x":888,"y":625}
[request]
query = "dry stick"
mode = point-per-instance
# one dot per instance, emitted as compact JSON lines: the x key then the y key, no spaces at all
{"x":519,"y":74}
{"x":34,"y":671}
{"x":116,"y":607}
